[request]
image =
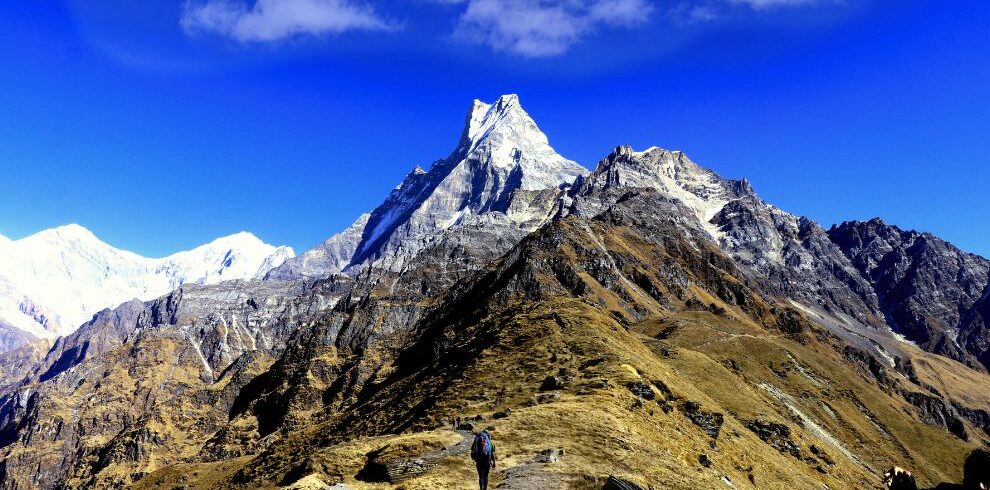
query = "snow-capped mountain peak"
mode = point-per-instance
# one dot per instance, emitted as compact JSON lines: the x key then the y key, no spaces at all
{"x":62,"y":236}
{"x":501,"y":153}
{"x":482,"y":117}
{"x":71,"y":231}
{"x":506,"y":137}
{"x":56,"y":279}
{"x":238,"y":256}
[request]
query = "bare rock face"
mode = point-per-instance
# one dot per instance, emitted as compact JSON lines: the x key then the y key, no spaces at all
{"x":12,"y":337}
{"x":333,"y":255}
{"x":928,"y":290}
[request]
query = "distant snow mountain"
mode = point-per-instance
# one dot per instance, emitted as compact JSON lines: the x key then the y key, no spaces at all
{"x":501,"y":163}
{"x":54,"y":280}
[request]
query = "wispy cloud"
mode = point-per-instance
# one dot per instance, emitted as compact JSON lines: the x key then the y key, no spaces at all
{"x":530,"y":28}
{"x":767,"y":4}
{"x":707,"y":11}
{"x":542,"y":28}
{"x":275,"y":20}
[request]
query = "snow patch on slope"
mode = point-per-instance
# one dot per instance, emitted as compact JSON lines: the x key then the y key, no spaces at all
{"x":810,"y":424}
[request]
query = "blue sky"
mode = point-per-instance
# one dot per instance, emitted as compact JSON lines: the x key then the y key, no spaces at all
{"x":162,"y":124}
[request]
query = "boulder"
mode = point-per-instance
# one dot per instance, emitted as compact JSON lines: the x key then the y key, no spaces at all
{"x":549,"y":455}
{"x":551,"y":383}
{"x":776,"y":435}
{"x":710,"y":422}
{"x":616,"y":483}
{"x":642,"y":390}
{"x":976,"y":470}
{"x":898,"y":478}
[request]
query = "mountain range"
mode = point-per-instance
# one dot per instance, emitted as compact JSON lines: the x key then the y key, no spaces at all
{"x":53,"y":281}
{"x":647,"y":320}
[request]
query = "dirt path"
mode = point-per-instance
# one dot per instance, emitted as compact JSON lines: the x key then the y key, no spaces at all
{"x":462,"y":448}
{"x":527,"y":476}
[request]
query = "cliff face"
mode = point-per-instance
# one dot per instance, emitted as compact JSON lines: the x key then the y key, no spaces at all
{"x":928,"y":290}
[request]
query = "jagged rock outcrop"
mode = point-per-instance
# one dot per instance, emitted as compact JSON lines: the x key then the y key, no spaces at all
{"x":928,"y":290}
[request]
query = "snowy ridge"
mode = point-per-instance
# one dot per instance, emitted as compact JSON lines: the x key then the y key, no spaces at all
{"x":674,"y":174}
{"x":55,"y":280}
{"x":330,"y":256}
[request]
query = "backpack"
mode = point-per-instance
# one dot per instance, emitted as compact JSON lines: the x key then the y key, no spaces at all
{"x":481,"y":449}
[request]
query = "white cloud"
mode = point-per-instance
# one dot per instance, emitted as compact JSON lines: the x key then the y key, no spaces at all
{"x":540,"y":28}
{"x":275,"y":20}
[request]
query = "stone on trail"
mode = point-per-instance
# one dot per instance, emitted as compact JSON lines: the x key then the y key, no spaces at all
{"x":616,"y":483}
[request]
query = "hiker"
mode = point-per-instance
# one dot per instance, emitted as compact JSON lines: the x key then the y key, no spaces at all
{"x":483,"y":454}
